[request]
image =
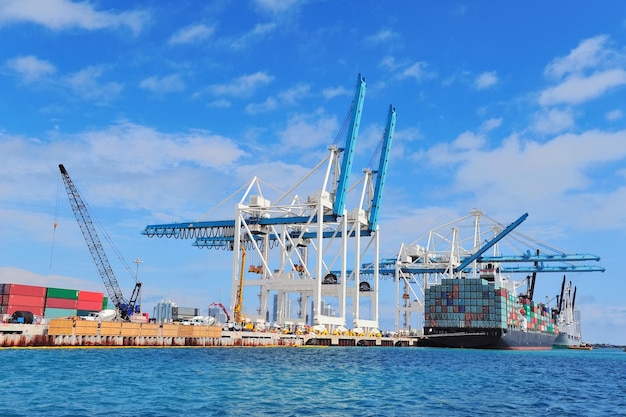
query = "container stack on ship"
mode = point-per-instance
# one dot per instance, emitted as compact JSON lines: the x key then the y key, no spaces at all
{"x":485,"y":313}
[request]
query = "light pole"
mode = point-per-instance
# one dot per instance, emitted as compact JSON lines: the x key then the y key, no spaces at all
{"x":138,"y":261}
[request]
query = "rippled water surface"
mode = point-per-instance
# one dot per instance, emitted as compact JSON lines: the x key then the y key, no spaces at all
{"x":311,"y":382}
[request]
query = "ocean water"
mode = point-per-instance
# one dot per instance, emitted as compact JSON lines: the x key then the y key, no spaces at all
{"x":335,"y":381}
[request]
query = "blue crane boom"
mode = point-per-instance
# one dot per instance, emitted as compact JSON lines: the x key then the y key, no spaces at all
{"x":381,"y":174}
{"x":348,"y":152}
{"x":490,"y":243}
{"x":81,"y":212}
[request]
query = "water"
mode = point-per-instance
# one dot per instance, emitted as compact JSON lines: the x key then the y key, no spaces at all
{"x":311,"y":382}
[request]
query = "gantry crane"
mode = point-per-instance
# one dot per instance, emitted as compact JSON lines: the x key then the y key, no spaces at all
{"x":125,"y":309}
{"x":449,"y":254}
{"x":302,"y":232}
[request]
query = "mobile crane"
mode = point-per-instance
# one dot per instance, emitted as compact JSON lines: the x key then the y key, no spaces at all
{"x":125,"y":308}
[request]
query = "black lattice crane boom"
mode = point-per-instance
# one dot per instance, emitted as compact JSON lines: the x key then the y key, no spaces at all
{"x":125,"y":308}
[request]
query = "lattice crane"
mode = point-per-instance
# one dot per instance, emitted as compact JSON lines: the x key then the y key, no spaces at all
{"x":124,"y":308}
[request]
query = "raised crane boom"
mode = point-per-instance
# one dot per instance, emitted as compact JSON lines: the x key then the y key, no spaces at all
{"x":381,"y":175}
{"x":125,"y":308}
{"x":348,"y":153}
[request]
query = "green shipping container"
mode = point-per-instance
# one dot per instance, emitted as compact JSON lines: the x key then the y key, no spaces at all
{"x":62,"y":293}
{"x":53,"y":313}
{"x":105,"y":303}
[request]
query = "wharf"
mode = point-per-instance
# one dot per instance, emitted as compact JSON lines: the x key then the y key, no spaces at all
{"x":68,"y":333}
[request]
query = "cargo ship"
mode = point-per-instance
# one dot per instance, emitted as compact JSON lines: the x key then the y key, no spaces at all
{"x":485,"y":313}
{"x":568,"y":321}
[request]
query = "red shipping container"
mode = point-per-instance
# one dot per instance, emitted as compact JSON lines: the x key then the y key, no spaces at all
{"x":37,"y":311}
{"x":90,"y":296}
{"x":31,"y":290}
{"x":89,"y":305}
{"x":25,"y":300}
{"x":61,"y":303}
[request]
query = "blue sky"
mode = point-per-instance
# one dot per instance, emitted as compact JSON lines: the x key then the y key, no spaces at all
{"x":159,"y":112}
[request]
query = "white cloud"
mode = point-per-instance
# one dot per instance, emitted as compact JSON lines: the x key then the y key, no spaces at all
{"x":330,"y":93}
{"x":167,"y":84}
{"x":86,"y":84}
{"x":287,"y":97}
{"x":486,"y":80}
{"x":416,"y":71}
{"x":562,"y":173}
{"x":65,"y":14}
{"x":220,"y":104}
{"x":406,"y":69}
{"x":243,"y":86}
{"x":277,"y":6}
{"x":192,"y":34}
{"x":491,"y":124}
{"x":268,"y":105}
{"x":468,"y":141}
{"x":295,"y":93}
{"x":589,"y":54}
{"x":306,"y":131}
{"x":553,"y":121}
{"x":30,"y":68}
{"x":614,"y":115}
{"x":576,"y":89}
{"x":382,"y":36}
{"x":257,"y":33}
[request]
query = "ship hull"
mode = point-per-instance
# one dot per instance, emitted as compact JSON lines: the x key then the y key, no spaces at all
{"x":508,"y":339}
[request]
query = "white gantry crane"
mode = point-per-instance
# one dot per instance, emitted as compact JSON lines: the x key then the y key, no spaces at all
{"x":304,"y":252}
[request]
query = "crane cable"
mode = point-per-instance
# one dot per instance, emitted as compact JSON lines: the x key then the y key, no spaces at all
{"x":56,"y":218}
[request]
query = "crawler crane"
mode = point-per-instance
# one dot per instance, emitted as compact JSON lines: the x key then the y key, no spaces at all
{"x":124,"y":308}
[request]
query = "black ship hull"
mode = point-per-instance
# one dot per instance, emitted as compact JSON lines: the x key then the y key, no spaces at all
{"x":510,"y":339}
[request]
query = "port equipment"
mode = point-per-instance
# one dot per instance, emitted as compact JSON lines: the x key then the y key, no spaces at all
{"x":470,"y":247}
{"x":238,"y":309}
{"x":304,"y":244}
{"x":125,"y":308}
{"x":222,"y":307}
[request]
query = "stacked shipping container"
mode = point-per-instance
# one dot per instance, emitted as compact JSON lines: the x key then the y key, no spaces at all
{"x":49,"y":302}
{"x":478,"y":304}
{"x":17,"y":297}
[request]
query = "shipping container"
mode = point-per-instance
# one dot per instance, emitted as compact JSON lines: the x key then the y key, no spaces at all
{"x":25,"y":300}
{"x":10,"y":309}
{"x":19,"y":289}
{"x":90,"y":296}
{"x":85,"y":313}
{"x":62,"y":293}
{"x":59,"y":312}
{"x":61,"y":303}
{"x":89,"y":305}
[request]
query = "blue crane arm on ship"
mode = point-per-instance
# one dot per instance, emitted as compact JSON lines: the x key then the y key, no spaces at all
{"x":561,"y":257}
{"x":490,"y":243}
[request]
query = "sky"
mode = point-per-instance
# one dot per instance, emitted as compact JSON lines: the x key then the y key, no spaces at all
{"x":161,"y":110}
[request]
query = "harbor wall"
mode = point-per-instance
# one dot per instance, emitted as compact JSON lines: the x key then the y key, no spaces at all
{"x":68,"y":333}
